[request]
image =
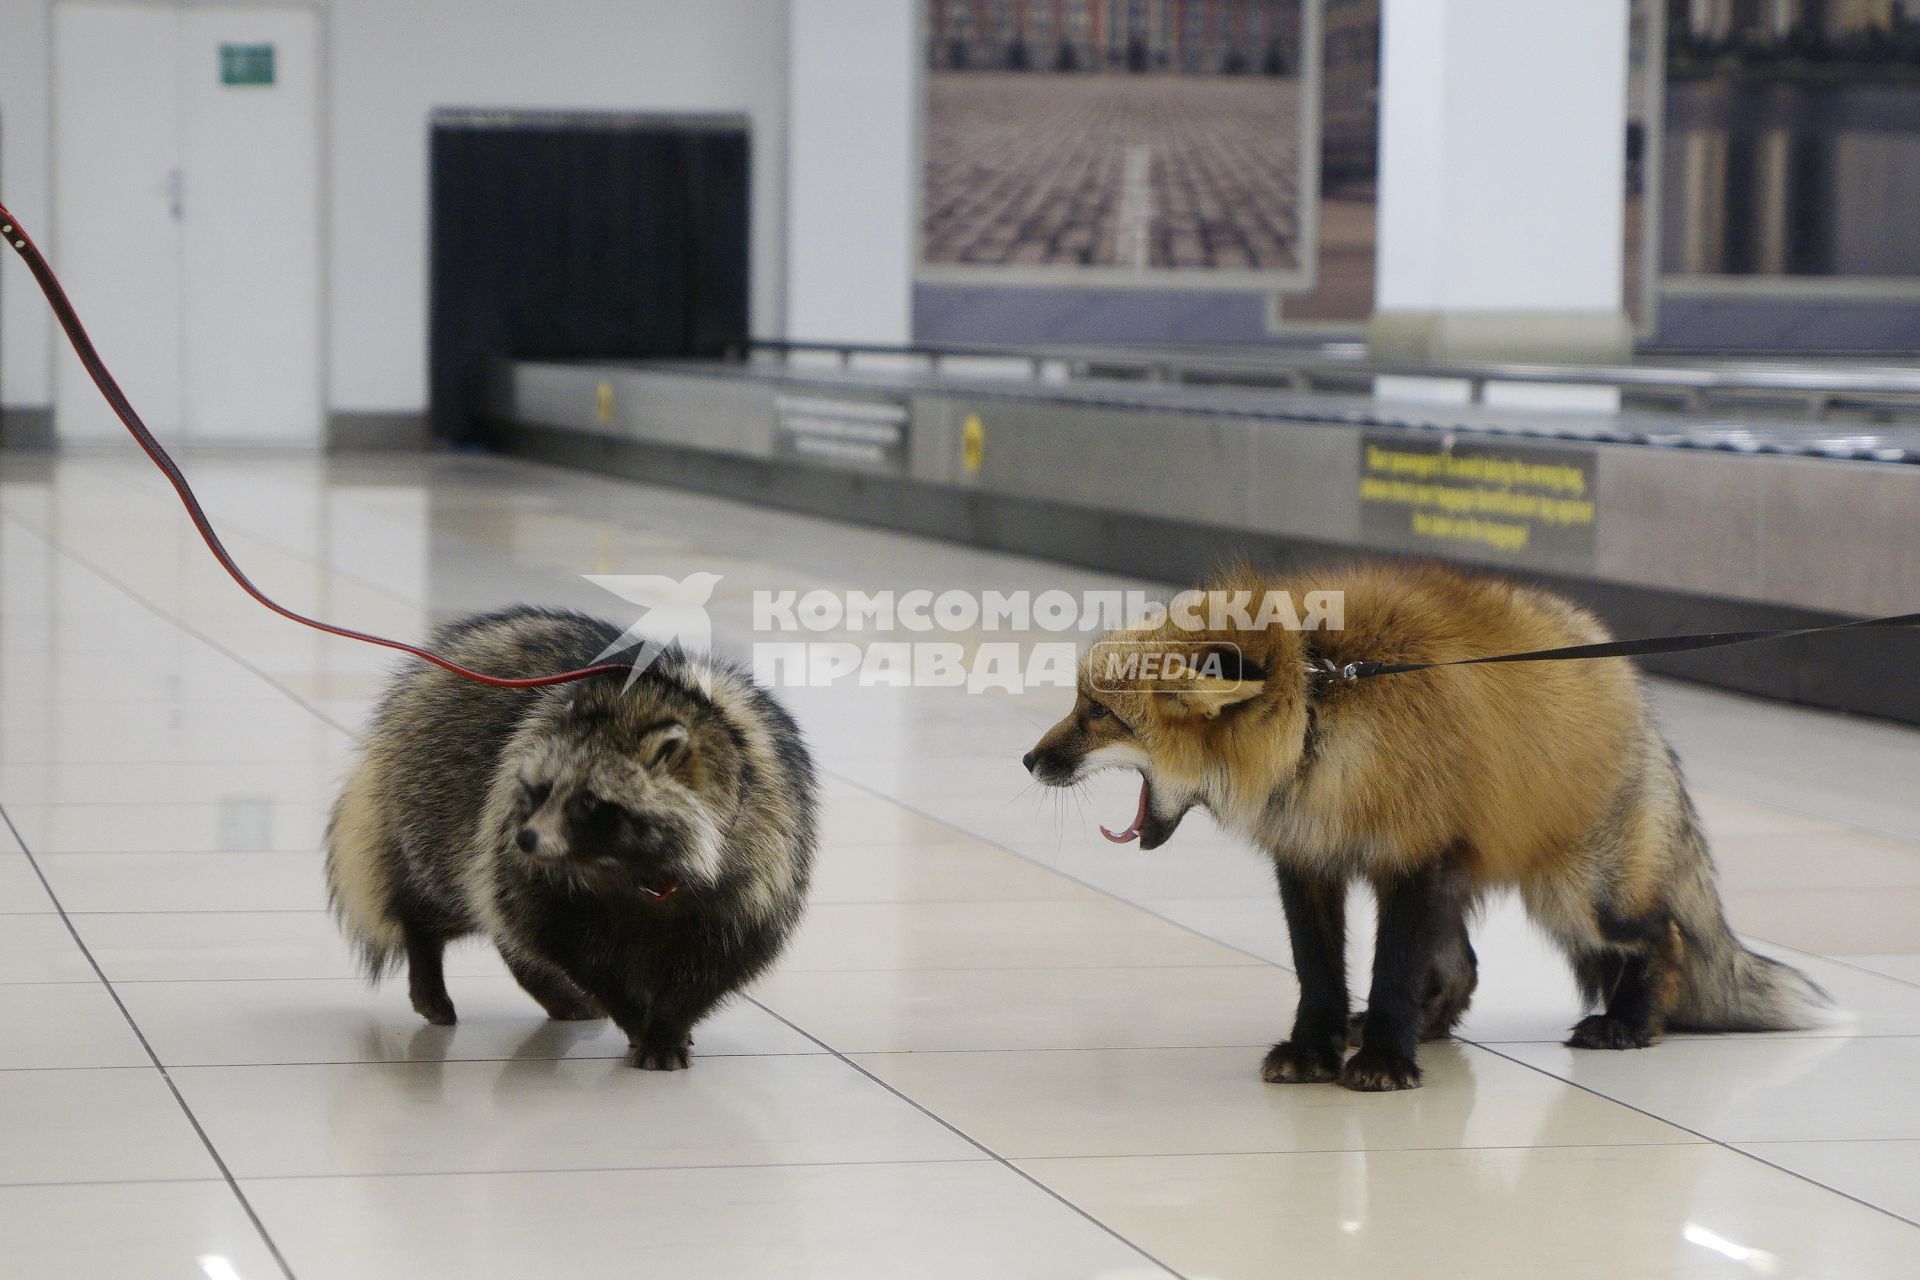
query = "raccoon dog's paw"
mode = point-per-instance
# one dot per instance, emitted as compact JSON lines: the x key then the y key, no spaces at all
{"x":1602,"y":1032}
{"x":1291,"y":1063}
{"x":675,"y":1057}
{"x":1377,"y":1071}
{"x":573,"y":1009}
{"x":438,"y":1012}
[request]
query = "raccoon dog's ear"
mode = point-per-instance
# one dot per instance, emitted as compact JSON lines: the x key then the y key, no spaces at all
{"x":662,"y":747}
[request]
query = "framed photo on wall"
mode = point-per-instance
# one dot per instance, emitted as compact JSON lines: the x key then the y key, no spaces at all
{"x":1122,"y":143}
{"x":1785,"y":177}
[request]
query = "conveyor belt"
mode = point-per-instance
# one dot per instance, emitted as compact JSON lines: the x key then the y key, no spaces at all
{"x":1664,"y":523}
{"x":1881,"y":443}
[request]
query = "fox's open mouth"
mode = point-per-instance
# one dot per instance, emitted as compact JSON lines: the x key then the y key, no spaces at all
{"x":1132,"y":833}
{"x":1148,"y":827}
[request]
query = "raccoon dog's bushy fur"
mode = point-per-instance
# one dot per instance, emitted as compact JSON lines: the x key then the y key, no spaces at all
{"x":634,"y":852}
{"x":1434,"y":786}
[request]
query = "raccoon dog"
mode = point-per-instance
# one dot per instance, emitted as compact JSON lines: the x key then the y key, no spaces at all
{"x":1434,"y":787}
{"x":638,"y":853}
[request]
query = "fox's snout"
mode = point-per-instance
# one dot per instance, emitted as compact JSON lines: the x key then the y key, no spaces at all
{"x":1057,"y":759}
{"x":1054,"y":766}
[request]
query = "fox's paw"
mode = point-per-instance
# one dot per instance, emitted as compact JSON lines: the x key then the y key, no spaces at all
{"x":673,"y":1057}
{"x":1602,"y":1032}
{"x":1377,"y":1071}
{"x":1293,"y":1063}
{"x":1437,"y":1022}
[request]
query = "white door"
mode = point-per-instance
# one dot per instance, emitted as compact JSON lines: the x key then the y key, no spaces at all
{"x":250,"y":154}
{"x":117,"y":240}
{"x":218,"y":278}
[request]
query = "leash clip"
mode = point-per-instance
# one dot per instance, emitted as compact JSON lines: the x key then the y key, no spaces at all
{"x":1327,"y":669}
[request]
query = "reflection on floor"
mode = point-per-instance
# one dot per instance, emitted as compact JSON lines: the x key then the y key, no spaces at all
{"x":999,"y":1048}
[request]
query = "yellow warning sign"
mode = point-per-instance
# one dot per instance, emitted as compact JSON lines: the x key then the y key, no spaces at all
{"x":1521,"y":499}
{"x":973,"y":444}
{"x":603,"y":403}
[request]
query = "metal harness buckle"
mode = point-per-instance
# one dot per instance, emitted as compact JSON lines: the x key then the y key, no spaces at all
{"x":1327,"y":669}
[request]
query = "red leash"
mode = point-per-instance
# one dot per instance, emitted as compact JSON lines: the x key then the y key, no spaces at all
{"x":22,"y":243}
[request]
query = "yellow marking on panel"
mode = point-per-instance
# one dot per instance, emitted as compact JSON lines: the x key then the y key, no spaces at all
{"x":973,"y":444}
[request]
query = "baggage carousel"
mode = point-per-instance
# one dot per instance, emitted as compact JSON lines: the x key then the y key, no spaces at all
{"x":1664,"y":522}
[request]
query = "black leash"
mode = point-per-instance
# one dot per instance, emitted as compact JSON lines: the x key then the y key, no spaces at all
{"x":1352,"y":671}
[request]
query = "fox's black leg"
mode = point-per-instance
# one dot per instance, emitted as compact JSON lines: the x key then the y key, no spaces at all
{"x":1635,"y":984}
{"x":1627,"y":1022}
{"x":558,"y":996}
{"x":1449,"y":987}
{"x":1317,"y":928}
{"x":1450,"y":982}
{"x":1416,"y":912}
{"x":426,"y":982}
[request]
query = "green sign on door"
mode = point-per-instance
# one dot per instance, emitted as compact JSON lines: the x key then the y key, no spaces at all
{"x":246,"y":64}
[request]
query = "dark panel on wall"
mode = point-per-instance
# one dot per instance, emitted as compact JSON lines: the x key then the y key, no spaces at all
{"x":590,"y":236}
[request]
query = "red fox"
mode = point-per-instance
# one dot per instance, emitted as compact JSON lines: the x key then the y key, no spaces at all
{"x":1434,"y":787}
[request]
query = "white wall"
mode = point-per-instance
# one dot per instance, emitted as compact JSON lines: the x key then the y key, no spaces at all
{"x":852,"y":144}
{"x":26,"y":330}
{"x":391,"y":62}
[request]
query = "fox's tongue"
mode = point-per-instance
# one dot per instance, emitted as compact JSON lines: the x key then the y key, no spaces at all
{"x":1132,"y":833}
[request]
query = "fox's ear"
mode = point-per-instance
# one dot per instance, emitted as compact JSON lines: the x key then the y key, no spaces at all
{"x":1222,"y":677}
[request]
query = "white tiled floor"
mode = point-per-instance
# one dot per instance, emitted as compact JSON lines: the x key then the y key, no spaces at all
{"x":999,"y":1047}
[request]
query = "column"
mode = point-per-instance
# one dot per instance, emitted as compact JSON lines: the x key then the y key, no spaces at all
{"x":1502,"y":189}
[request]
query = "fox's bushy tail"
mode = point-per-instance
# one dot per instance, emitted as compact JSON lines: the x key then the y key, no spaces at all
{"x":1729,"y":988}
{"x":1723,"y":985}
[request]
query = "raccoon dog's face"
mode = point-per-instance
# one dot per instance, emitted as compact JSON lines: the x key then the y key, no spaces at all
{"x":1176,"y":711}
{"x":626,"y":791}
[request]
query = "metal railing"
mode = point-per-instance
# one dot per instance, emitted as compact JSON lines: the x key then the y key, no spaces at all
{"x":1818,"y":390}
